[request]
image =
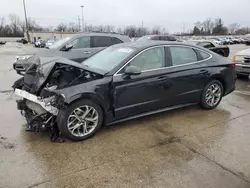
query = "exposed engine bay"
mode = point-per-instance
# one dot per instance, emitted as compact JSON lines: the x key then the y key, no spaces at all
{"x":41,"y":100}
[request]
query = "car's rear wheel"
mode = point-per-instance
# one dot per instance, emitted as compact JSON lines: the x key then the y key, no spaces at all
{"x":212,"y":95}
{"x":80,"y":120}
{"x":242,"y":76}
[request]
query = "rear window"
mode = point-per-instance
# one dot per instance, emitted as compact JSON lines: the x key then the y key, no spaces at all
{"x":116,"y":40}
{"x":101,"y":41}
{"x":204,"y":55}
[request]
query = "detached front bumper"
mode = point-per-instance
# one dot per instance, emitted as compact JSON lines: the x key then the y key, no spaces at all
{"x":243,"y":69}
{"x":44,"y":103}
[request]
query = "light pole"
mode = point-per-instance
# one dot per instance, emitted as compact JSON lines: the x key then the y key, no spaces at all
{"x":82,"y":19}
{"x":26,"y":22}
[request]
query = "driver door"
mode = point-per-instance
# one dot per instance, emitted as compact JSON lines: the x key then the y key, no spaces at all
{"x":141,"y":93}
{"x":81,"y":49}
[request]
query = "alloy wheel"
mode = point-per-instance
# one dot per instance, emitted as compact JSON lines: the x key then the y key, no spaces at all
{"x":213,"y":95}
{"x":82,"y":121}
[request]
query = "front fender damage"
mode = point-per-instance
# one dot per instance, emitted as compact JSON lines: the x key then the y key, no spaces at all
{"x":45,"y":90}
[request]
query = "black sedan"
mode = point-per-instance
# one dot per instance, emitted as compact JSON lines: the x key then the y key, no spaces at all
{"x":122,"y":82}
{"x":219,"y":49}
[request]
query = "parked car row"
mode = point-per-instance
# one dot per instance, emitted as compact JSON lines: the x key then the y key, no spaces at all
{"x":124,"y":81}
{"x":77,"y":48}
{"x":209,"y":44}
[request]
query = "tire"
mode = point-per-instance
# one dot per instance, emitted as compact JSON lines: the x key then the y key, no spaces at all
{"x":242,"y":76}
{"x":206,"y":104}
{"x":67,"y":120}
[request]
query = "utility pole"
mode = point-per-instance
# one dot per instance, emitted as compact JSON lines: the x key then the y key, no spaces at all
{"x":82,"y":19}
{"x":79,"y":23}
{"x":183,"y":27}
{"x":26,"y":22}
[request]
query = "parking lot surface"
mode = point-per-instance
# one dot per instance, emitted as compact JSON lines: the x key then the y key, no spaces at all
{"x":188,"y":147}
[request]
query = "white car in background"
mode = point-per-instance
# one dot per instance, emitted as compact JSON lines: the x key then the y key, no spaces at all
{"x":49,"y":43}
{"x":242,"y":62}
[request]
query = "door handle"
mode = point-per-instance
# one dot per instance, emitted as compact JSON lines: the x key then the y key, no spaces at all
{"x":204,"y":71}
{"x":162,"y":78}
{"x":86,"y":52}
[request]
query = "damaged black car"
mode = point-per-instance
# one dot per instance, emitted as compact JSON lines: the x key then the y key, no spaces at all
{"x":122,"y":82}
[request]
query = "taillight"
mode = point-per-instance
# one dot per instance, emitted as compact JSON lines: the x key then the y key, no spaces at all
{"x":233,"y":65}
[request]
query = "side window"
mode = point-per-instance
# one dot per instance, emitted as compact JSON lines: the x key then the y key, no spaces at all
{"x":81,"y":42}
{"x":150,"y":59}
{"x":101,"y":41}
{"x":171,"y":38}
{"x":164,"y":38}
{"x":204,"y":55}
{"x":206,"y":44}
{"x":168,"y":38}
{"x":155,"y":38}
{"x":116,"y":40}
{"x":182,"y":55}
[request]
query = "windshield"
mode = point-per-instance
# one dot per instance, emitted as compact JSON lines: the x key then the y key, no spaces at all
{"x":58,"y":43}
{"x":109,"y":58}
{"x":144,"y":38}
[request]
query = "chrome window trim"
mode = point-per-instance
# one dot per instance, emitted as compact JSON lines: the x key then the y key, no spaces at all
{"x":210,"y":56}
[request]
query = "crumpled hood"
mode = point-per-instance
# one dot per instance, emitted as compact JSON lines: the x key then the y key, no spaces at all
{"x":38,"y":73}
{"x":245,"y":52}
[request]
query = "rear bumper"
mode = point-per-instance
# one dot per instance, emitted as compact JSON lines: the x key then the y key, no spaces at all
{"x":242,"y":69}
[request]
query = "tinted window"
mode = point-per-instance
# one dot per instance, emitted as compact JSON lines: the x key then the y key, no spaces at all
{"x":150,"y":59}
{"x":59,"y":43}
{"x":206,"y":44}
{"x":171,"y":38}
{"x":116,"y":40}
{"x":182,"y":55}
{"x":168,"y":38}
{"x":204,"y":55}
{"x":101,"y":41}
{"x":81,"y":42}
{"x":155,"y":38}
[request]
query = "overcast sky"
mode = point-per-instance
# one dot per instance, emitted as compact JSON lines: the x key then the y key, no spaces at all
{"x":171,"y":14}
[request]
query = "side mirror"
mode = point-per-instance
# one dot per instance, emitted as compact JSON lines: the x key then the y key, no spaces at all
{"x":67,"y":47}
{"x":132,"y":70}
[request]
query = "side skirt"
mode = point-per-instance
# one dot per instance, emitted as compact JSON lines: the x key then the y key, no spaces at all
{"x":151,"y":113}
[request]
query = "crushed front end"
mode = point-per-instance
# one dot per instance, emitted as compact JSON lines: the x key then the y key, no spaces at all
{"x":40,"y":100}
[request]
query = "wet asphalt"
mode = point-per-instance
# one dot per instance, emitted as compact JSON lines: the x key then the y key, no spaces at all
{"x":188,"y":147}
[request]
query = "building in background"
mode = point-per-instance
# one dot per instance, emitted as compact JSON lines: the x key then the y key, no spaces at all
{"x":46,"y":35}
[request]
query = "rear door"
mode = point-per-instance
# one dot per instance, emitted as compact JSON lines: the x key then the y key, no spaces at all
{"x":81,"y":49}
{"x":100,"y":42}
{"x":187,"y":74}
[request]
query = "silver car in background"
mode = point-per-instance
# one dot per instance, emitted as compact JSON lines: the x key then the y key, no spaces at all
{"x":77,"y":48}
{"x":242,"y":62}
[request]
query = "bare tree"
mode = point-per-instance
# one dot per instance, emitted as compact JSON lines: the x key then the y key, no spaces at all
{"x":15,"y":24}
{"x":156,"y":30}
{"x":73,"y":27}
{"x":1,"y":25}
{"x":61,"y":27}
{"x":233,"y":27}
{"x":208,"y":26}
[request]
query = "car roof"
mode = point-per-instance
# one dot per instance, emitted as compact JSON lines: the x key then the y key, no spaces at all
{"x":151,"y":43}
{"x":160,"y":35}
{"x":125,"y":38}
{"x":200,"y":40}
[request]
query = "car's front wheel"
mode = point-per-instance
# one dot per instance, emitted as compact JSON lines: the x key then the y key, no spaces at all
{"x":80,"y":120}
{"x":212,"y":95}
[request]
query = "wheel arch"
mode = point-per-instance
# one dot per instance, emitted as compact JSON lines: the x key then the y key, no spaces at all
{"x":90,"y":96}
{"x":220,"y":79}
